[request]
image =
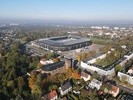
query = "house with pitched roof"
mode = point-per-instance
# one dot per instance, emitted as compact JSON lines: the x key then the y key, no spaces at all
{"x":51,"y":96}
{"x":85,"y":76}
{"x":65,"y":88}
{"x":114,"y":90}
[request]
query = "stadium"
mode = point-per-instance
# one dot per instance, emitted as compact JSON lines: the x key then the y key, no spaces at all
{"x":63,"y":43}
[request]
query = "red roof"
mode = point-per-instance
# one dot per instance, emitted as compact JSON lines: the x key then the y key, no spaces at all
{"x":52,"y":94}
{"x":114,"y":88}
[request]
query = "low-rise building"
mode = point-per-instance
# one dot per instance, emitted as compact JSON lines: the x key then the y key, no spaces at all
{"x":51,"y":96}
{"x":85,"y":76}
{"x":114,"y":90}
{"x":126,"y":77}
{"x":95,"y":84}
{"x":65,"y":88}
{"x":126,"y":58}
{"x":45,"y":62}
{"x":109,"y":71}
{"x":106,"y":70}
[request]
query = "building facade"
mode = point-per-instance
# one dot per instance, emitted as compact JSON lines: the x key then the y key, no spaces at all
{"x":127,"y":77}
{"x":101,"y":71}
{"x":55,"y":68}
{"x":65,"y":88}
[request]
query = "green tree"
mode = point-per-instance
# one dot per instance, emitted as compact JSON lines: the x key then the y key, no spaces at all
{"x":52,"y":87}
{"x":118,"y":68}
{"x":20,"y":84}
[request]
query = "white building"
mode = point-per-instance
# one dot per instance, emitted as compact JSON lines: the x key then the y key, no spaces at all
{"x":101,"y":71}
{"x":128,"y":77}
{"x":95,"y":84}
{"x":85,"y":76}
{"x":64,"y":89}
{"x":114,"y":91}
{"x":127,"y":57}
{"x":45,"y":62}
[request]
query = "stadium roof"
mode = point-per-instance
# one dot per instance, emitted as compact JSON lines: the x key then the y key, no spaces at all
{"x":53,"y":41}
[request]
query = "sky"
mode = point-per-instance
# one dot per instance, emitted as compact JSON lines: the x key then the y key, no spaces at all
{"x":91,"y":10}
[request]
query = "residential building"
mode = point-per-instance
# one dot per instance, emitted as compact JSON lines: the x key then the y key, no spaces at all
{"x":95,"y":84}
{"x":51,"y":96}
{"x":114,"y":90}
{"x":65,"y":88}
{"x":126,"y":58}
{"x":85,"y":76}
{"x":126,"y":77}
{"x":109,"y":71}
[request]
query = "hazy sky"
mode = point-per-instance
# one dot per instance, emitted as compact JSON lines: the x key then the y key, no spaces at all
{"x":92,"y":10}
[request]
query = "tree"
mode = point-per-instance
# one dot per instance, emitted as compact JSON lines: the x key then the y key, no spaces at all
{"x":39,"y":79}
{"x":36,"y":89}
{"x":118,"y":68}
{"x":32,"y":81}
{"x":75,"y":75}
{"x":20,"y":83}
{"x":84,"y":95}
{"x":93,"y":95}
{"x":52,"y":87}
{"x":106,"y":48}
{"x":95,"y":75}
{"x":55,"y":59}
{"x":39,"y":65}
{"x":10,"y":84}
{"x":79,"y":57}
{"x":108,"y":86}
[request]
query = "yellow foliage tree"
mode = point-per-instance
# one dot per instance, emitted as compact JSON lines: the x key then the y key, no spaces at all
{"x":32,"y":81}
{"x":39,"y":65}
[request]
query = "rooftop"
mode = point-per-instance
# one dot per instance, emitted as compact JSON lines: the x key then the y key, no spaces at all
{"x":53,"y":66}
{"x":84,"y":74}
{"x":66,"y":86}
{"x":96,"y":81}
{"x":63,"y":40}
{"x":114,"y":88}
{"x":52,"y":94}
{"x":108,"y":67}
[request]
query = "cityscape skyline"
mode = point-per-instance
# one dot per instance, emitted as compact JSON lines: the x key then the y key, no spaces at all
{"x":77,"y":10}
